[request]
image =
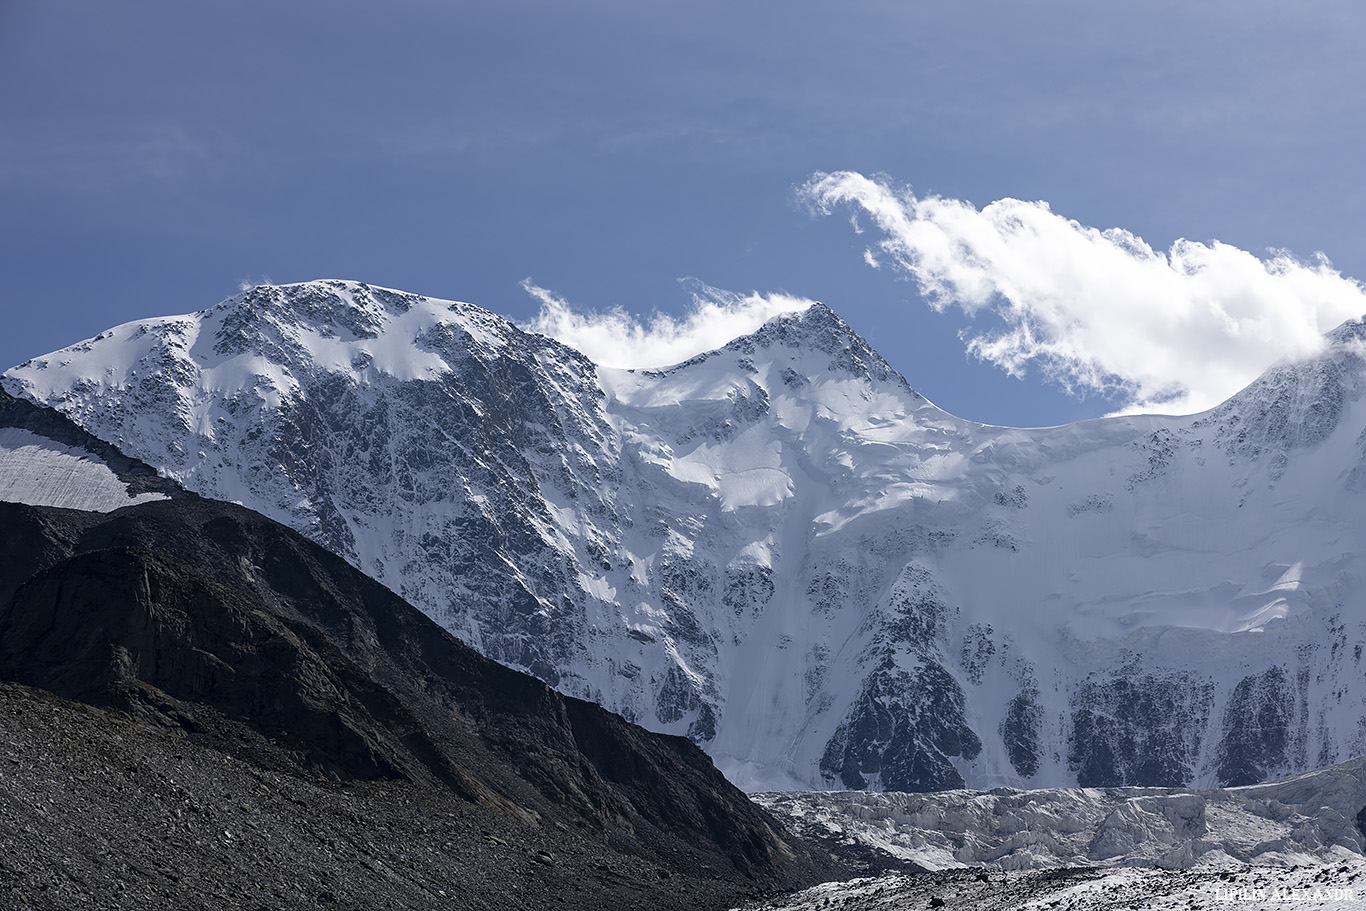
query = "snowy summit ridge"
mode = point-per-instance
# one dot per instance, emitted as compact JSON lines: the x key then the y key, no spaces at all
{"x":780,"y":549}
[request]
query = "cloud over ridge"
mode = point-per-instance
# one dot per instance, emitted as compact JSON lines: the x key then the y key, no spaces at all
{"x":1100,"y":310}
{"x":616,"y":338}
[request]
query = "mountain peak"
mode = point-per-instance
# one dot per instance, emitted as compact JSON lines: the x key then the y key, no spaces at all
{"x":816,"y":330}
{"x":324,"y":314}
{"x":1295,"y":405}
{"x":1353,"y":331}
{"x":335,"y":307}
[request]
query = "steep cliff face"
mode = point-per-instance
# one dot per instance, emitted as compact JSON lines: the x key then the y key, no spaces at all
{"x":780,"y":549}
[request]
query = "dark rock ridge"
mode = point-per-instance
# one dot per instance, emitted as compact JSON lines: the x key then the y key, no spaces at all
{"x":209,"y":627}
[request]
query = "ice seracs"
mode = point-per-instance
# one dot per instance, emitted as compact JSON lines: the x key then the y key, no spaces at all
{"x":1313,"y":818}
{"x":1297,"y":841}
{"x":782,"y":550}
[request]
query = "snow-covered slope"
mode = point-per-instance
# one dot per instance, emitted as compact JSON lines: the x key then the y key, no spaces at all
{"x":780,"y":549}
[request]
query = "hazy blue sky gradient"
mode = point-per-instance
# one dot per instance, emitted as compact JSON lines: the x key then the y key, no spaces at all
{"x":155,"y":154}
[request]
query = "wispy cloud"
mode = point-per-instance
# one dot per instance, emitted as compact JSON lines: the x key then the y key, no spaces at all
{"x":616,"y":338}
{"x":141,"y":154}
{"x":1100,"y":311}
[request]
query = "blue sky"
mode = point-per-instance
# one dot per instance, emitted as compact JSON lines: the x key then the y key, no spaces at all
{"x":156,"y":154}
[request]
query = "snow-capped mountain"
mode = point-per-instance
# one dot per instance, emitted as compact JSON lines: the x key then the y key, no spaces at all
{"x":782,"y":550}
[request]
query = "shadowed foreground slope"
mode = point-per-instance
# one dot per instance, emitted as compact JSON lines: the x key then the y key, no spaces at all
{"x":274,"y":728}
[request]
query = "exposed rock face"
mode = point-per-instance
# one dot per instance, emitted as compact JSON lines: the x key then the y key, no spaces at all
{"x":908,"y":725}
{"x":904,"y":729}
{"x":1020,"y":732}
{"x":1258,"y":729}
{"x":1138,"y":729}
{"x":781,"y":551}
{"x":204,"y":618}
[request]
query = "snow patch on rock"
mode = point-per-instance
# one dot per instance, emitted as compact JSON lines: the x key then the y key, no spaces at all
{"x":42,"y":472}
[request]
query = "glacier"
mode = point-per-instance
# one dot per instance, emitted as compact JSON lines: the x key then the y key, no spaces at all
{"x":1315,"y":818}
{"x":780,"y":549}
{"x":1297,"y":839}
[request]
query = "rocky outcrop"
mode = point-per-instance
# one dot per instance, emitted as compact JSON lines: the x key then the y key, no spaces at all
{"x":908,"y":726}
{"x":905,"y":730}
{"x":1258,"y":728}
{"x":1138,"y":728}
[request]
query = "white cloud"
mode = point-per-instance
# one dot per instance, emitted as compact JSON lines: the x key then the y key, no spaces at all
{"x":617,"y":338}
{"x":1101,"y":311}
